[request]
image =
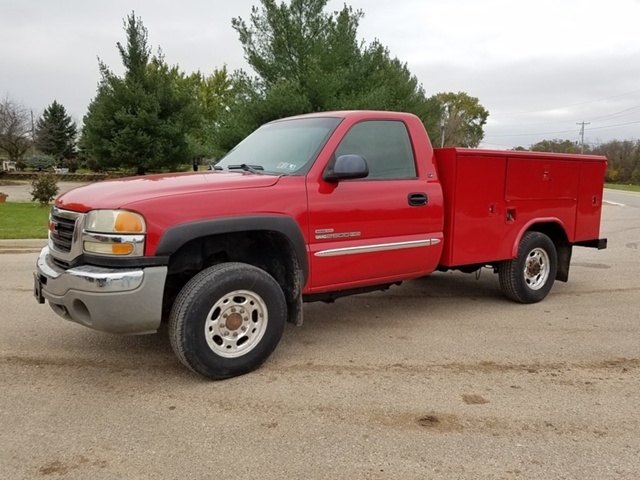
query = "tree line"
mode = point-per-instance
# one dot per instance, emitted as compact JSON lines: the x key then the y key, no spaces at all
{"x":306,"y":59}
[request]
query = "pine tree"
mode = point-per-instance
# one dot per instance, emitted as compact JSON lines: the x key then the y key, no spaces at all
{"x":308,"y":59}
{"x":56,"y":132}
{"x":141,"y":120}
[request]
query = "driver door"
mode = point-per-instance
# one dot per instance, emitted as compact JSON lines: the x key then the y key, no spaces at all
{"x":378,"y":229}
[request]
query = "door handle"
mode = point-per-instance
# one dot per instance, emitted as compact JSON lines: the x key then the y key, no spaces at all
{"x":418,"y":199}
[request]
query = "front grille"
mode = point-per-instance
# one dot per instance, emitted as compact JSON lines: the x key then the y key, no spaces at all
{"x":61,"y":231}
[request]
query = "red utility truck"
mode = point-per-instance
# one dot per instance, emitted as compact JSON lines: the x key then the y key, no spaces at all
{"x":308,"y":208}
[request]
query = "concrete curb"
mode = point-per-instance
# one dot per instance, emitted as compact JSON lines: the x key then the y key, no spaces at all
{"x":22,"y":246}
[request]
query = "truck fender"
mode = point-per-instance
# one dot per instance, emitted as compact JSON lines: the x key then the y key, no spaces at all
{"x":563,"y":246}
{"x":175,"y":237}
{"x":527,"y":227}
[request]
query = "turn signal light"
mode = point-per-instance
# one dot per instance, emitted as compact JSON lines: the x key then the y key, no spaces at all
{"x":109,"y":248}
{"x":128,"y":222}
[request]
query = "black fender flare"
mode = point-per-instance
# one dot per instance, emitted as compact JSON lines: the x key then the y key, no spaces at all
{"x":176,"y":236}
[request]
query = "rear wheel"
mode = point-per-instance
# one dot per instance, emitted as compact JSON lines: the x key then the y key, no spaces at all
{"x":227,"y":320}
{"x":528,"y":278}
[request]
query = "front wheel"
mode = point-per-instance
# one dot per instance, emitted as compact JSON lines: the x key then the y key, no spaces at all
{"x":227,"y":320}
{"x":528,"y":278}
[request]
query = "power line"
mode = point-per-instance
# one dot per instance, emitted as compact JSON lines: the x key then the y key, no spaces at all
{"x":580,"y":134}
{"x":617,"y":125}
{"x":526,"y":134}
{"x":618,"y":113}
{"x":597,"y":119}
{"x":567,"y":106}
{"x":559,"y":131}
{"x":615,"y":114}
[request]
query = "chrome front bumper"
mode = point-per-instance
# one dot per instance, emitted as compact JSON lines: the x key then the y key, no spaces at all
{"x":115,"y":300}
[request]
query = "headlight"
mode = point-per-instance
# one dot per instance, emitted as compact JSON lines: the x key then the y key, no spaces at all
{"x":114,"y":221}
{"x":114,"y":232}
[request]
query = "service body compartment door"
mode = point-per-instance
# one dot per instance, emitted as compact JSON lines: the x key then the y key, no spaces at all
{"x":475,"y":208}
{"x":590,"y":200}
{"x":542,"y":179}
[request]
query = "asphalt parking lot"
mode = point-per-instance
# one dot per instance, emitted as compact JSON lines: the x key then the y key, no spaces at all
{"x":438,"y":378}
{"x":21,"y":191}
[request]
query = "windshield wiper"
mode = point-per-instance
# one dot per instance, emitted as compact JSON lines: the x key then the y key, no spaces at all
{"x":247,"y":168}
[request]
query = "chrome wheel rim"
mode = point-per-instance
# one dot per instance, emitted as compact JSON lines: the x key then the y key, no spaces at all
{"x":536,"y":269}
{"x":236,"y":323}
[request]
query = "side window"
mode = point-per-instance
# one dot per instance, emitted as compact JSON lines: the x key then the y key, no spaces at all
{"x":385,"y":145}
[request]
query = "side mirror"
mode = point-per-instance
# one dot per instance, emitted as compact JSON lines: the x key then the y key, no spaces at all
{"x":346,"y":167}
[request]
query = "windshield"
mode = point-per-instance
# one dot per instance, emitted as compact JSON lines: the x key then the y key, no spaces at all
{"x":283,"y":148}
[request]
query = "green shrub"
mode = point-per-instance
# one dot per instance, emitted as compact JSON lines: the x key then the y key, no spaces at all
{"x":611,"y":175}
{"x":44,"y":188}
{"x":40,"y":162}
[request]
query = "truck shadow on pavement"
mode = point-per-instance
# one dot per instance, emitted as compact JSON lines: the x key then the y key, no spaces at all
{"x":413,"y":306}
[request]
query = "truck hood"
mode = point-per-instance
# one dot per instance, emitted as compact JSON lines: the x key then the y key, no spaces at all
{"x":119,"y":193}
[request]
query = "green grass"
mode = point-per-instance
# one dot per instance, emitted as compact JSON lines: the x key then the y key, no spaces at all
{"x":23,"y":220}
{"x":629,"y":188}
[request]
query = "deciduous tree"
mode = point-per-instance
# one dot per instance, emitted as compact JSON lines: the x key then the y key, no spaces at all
{"x":15,"y":129}
{"x":214,"y":95}
{"x":555,"y":146}
{"x":623,"y":160}
{"x":464,"y":118}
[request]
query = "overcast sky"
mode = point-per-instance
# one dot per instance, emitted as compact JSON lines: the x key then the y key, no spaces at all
{"x":538,"y":66}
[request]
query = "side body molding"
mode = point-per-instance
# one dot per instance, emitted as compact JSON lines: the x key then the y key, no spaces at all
{"x":176,"y":236}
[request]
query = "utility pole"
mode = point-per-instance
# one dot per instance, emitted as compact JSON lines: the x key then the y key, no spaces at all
{"x":33,"y":136}
{"x":582,"y":124}
{"x":443,"y":123}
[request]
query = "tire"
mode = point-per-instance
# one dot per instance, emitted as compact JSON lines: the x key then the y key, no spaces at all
{"x":227,"y":320}
{"x":528,"y":278}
